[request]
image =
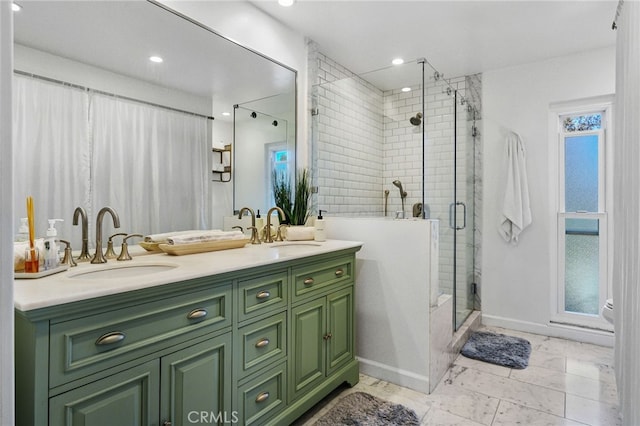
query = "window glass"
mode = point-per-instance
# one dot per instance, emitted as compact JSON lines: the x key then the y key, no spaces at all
{"x":581,"y":173}
{"x":581,"y":123}
{"x":582,"y":263}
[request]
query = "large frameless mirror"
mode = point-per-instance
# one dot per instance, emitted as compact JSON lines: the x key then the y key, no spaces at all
{"x":98,"y":123}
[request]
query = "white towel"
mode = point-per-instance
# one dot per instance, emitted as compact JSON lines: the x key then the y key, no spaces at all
{"x":162,"y":238}
{"x":515,"y":214}
{"x":205,"y":236}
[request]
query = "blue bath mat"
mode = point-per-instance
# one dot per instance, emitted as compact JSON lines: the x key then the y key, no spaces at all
{"x":498,"y":349}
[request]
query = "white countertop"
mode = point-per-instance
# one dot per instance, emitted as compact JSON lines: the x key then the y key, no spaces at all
{"x":60,"y":288}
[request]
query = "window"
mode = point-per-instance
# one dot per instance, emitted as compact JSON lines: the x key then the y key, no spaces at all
{"x":277,"y":160}
{"x":582,"y":238}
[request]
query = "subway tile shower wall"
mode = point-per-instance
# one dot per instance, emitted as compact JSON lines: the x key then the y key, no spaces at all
{"x":364,"y":141}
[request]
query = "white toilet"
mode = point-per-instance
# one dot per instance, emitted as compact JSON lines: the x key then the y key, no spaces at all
{"x":607,"y":311}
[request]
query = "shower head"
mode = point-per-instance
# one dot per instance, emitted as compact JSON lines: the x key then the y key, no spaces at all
{"x":398,"y":184}
{"x":417,"y":120}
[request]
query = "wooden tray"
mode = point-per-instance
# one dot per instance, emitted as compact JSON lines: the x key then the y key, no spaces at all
{"x":180,"y":249}
{"x":149,"y":246}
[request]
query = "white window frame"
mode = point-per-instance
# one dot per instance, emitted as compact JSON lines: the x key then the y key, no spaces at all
{"x":604,"y":106}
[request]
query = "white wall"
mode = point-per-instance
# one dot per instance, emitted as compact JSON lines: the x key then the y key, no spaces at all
{"x":6,"y":217}
{"x":393,"y":294}
{"x":516,"y":279}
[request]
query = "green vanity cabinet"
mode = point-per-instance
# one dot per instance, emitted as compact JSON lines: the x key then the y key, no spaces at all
{"x":196,"y":381}
{"x":126,"y":398}
{"x":254,"y":346}
{"x":322,"y":338}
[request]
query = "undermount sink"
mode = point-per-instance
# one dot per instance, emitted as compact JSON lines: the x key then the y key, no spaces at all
{"x":291,"y":248}
{"x":124,"y":271}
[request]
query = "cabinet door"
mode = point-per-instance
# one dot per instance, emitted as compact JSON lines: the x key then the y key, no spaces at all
{"x":126,"y":398}
{"x":307,"y":332}
{"x":340,"y":328}
{"x":196,"y":384}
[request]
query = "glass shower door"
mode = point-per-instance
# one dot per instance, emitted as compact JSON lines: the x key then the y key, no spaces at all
{"x":450,"y":161}
{"x":462,"y":212}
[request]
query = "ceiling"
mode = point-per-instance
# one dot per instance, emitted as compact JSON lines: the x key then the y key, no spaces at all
{"x":456,"y":37}
{"x":119,"y":37}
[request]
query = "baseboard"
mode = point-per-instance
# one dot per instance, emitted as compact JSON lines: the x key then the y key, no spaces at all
{"x":579,"y":334}
{"x":394,"y":375}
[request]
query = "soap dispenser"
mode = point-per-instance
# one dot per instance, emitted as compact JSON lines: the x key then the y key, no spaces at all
{"x":259,"y":222}
{"x":23,"y":231}
{"x":51,"y":254}
{"x":320,"y":231}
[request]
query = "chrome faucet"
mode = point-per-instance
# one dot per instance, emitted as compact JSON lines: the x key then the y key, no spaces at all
{"x":99,"y":256}
{"x":255,"y":238}
{"x":80,"y":212}
{"x":268,"y":227}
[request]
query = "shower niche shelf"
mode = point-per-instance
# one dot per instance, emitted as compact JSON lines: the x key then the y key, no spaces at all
{"x":221,"y":174}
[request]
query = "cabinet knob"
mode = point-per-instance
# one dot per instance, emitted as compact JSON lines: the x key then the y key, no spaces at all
{"x":308,"y":281}
{"x":199,"y":313}
{"x":327,"y":336}
{"x":262,"y":396}
{"x":264,"y":294}
{"x":339,"y":272}
{"x":167,"y":423}
{"x":262,"y":343}
{"x":110,"y":338}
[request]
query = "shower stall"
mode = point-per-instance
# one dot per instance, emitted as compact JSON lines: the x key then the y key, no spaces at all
{"x":401,"y":142}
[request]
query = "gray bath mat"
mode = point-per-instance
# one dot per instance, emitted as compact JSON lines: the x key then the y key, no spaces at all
{"x":362,"y":409}
{"x":498,"y":349}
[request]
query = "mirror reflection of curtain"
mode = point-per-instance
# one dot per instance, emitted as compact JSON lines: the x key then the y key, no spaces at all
{"x":150,"y":165}
{"x":75,"y":148}
{"x":51,"y":154}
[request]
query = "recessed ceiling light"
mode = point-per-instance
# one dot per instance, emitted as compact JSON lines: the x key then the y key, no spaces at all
{"x":406,"y":89}
{"x":226,"y":114}
{"x":398,"y":61}
{"x":16,"y":7}
{"x":286,"y":3}
{"x":156,"y":59}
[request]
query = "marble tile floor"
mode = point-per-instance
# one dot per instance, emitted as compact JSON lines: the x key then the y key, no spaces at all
{"x":566,"y":383}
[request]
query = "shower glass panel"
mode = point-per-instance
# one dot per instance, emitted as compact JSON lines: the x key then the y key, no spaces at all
{"x":382,"y":134}
{"x":363,"y":140}
{"x":450,"y":188}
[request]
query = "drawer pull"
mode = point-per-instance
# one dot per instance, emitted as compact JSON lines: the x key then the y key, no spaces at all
{"x":263,"y":295}
{"x":308,"y":281}
{"x":110,"y":338}
{"x":262,"y":396}
{"x":262,"y":343}
{"x":339,"y":272}
{"x":199,"y":313}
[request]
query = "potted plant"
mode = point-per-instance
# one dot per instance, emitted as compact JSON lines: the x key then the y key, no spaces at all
{"x":294,"y":204}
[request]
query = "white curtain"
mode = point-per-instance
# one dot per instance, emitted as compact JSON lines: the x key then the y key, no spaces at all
{"x":626,"y":261}
{"x":73,"y":147}
{"x":149,"y":164}
{"x":51,"y":153}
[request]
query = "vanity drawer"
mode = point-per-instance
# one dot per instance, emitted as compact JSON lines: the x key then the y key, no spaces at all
{"x":263,"y":343}
{"x":90,"y":344}
{"x":316,"y":277}
{"x":263,"y":397}
{"x":263,"y":294}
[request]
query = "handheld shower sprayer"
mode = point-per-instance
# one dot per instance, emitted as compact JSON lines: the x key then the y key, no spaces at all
{"x":403,"y":193}
{"x":398,"y":184}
